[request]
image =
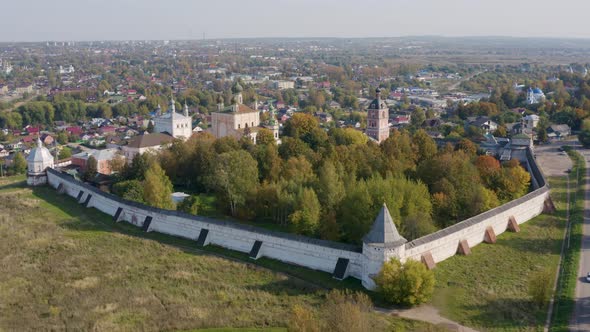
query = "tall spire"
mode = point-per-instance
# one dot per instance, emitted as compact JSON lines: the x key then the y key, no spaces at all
{"x":172,"y":104}
{"x":185,"y":109}
{"x":383,"y":232}
{"x":219,"y":103}
{"x":272,"y":118}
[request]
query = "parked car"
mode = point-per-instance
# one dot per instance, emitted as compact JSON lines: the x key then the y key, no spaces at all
{"x":588,"y":277}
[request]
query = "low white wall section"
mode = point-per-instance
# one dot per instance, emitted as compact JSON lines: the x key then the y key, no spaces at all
{"x":444,"y":243}
{"x":311,"y":253}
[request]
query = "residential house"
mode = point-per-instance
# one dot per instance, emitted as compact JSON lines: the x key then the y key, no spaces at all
{"x":107,"y":130}
{"x":432,"y":123}
{"x":26,"y":88}
{"x":47,"y":139}
{"x":334,"y":104}
{"x":484,"y":123}
{"x":324,"y":116}
{"x":400,"y":120}
{"x":559,"y":131}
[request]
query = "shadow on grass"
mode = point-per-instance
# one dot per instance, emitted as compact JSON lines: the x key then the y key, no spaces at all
{"x":14,"y":185}
{"x":92,"y":220}
{"x":538,"y":246}
{"x":562,"y":323}
{"x":287,"y":287}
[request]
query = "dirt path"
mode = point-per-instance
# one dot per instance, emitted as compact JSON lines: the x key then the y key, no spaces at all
{"x":454,"y":86}
{"x":429,"y":314}
{"x":22,"y":102}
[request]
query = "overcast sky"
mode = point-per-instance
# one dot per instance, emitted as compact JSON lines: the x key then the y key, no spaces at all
{"x":40,"y":20}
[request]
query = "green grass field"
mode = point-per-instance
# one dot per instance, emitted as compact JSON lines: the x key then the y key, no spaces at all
{"x":488,"y":289}
{"x":64,"y":266}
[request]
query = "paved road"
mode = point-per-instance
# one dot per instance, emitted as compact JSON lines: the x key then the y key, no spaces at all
{"x":581,"y":319}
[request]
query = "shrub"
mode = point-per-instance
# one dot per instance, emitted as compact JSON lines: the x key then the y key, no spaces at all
{"x":410,"y":283}
{"x":190,"y":205}
{"x":584,"y":138}
{"x":302,"y":320}
{"x":343,"y":311}
{"x":540,"y":286}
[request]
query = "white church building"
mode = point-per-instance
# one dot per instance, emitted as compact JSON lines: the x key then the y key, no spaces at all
{"x":175,"y":124}
{"x":535,"y":96}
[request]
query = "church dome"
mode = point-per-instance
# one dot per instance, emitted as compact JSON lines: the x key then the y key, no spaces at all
{"x":237,"y":88}
{"x":40,"y":154}
{"x":537,"y":91}
{"x":377,"y":103}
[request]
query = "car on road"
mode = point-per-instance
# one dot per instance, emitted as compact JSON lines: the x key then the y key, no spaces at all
{"x":588,"y":277}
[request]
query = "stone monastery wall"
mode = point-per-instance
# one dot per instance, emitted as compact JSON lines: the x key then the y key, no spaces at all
{"x":299,"y":250}
{"x":445,"y":243}
{"x":340,"y":259}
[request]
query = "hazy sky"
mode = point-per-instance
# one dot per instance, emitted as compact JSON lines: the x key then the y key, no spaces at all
{"x":40,"y":20}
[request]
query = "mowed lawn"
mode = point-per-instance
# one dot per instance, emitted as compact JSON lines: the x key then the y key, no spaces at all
{"x":488,"y":289}
{"x":66,"y":267}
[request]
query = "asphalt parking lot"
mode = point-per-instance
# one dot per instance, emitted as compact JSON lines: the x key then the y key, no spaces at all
{"x":552,"y":161}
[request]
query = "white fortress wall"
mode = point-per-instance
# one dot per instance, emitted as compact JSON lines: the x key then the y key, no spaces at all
{"x":298,"y":250}
{"x":444,"y":243}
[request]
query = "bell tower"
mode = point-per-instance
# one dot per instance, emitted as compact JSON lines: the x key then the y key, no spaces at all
{"x":378,"y":119}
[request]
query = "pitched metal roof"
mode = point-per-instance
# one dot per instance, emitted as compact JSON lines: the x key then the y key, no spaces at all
{"x":383,"y":231}
{"x":149,"y":140}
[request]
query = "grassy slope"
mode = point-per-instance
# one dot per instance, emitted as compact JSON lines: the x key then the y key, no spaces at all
{"x":488,"y":289}
{"x":65,"y":266}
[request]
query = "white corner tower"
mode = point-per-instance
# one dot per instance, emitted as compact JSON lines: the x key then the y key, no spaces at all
{"x":379,"y":245}
{"x":37,"y":163}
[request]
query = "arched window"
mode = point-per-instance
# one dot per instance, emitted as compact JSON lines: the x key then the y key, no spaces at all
{"x":238,"y":126}
{"x":246,"y":125}
{"x":252,"y":123}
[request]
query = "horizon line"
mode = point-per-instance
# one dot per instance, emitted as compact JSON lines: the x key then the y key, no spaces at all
{"x":299,"y":37}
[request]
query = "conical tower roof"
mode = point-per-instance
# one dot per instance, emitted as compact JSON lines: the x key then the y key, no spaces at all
{"x":39,"y":154}
{"x":383,"y":232}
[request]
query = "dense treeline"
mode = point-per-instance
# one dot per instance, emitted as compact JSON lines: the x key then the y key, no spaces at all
{"x":332,"y":184}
